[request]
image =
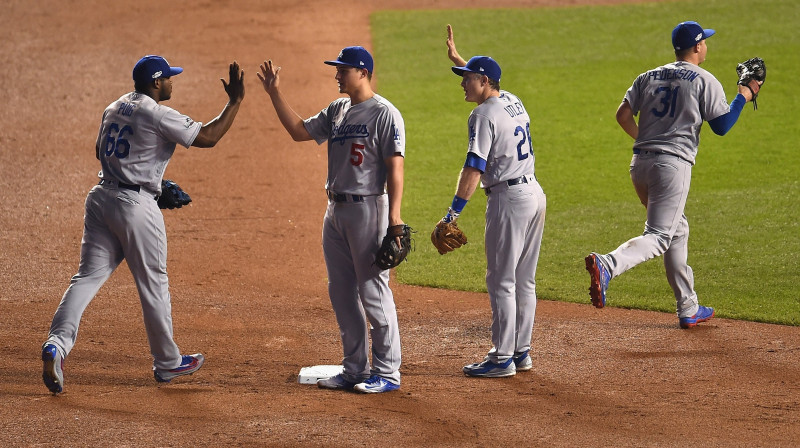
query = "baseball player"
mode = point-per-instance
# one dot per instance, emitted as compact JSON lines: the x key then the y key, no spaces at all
{"x":672,"y":101}
{"x":137,"y":138}
{"x":366,"y":148}
{"x":500,"y":156}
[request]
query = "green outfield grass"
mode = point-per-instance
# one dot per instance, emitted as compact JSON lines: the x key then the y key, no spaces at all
{"x":571,"y":66}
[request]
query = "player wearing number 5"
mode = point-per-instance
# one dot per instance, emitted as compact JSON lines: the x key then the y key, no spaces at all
{"x":672,"y":101}
{"x":122,"y":220}
{"x":366,"y":149}
{"x":500,"y":156}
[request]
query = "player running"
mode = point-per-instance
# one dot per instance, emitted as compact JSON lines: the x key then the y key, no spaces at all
{"x":366,"y":149}
{"x":137,"y":138}
{"x":500,"y":156}
{"x":672,"y":102}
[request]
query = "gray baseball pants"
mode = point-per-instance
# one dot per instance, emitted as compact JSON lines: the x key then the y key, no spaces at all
{"x":662,"y":184}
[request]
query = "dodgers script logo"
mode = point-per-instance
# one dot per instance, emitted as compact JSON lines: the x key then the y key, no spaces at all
{"x":346,"y":131}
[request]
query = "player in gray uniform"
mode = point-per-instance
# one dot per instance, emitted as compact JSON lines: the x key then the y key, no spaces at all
{"x":366,"y":148}
{"x":672,"y":102}
{"x":500,"y":155}
{"x":122,"y":220}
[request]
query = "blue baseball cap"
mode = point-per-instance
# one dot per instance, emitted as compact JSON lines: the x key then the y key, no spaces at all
{"x":688,"y":34}
{"x":357,"y":57}
{"x":152,"y":67}
{"x":483,"y":65}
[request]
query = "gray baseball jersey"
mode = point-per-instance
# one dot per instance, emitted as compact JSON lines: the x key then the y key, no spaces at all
{"x":675,"y":100}
{"x":122,"y":220}
{"x":500,"y":133}
{"x":138,"y":137}
{"x":360,"y":138}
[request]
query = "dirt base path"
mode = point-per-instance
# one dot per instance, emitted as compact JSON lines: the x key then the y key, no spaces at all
{"x":248,"y":278}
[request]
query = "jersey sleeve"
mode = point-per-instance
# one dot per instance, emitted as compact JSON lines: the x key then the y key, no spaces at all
{"x":178,"y":128}
{"x":319,"y":126}
{"x":392,"y":133}
{"x":100,"y":137}
{"x":481,"y":135}
{"x":633,"y":96}
{"x":714,"y":103}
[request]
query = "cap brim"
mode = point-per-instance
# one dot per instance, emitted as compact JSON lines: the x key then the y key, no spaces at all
{"x":460,"y":70}
{"x":708,"y":32}
{"x":175,"y":71}
{"x":340,"y":63}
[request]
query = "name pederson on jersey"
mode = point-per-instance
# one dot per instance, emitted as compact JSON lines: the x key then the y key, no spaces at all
{"x":360,"y":138}
{"x":500,"y":134}
{"x":674,"y":100}
{"x":138,"y":137}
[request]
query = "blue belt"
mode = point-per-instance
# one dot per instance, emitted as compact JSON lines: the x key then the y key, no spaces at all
{"x":639,"y":151}
{"x":343,"y":197}
{"x":511,"y":182}
{"x":135,"y":188}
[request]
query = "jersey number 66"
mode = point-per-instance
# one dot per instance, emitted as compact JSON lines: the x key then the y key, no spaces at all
{"x":116,"y":143}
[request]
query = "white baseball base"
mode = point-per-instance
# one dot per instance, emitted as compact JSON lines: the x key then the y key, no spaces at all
{"x":310,"y":375}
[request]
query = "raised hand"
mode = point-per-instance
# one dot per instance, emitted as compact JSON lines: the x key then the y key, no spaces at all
{"x":235,"y":86}
{"x":452,"y":53}
{"x":269,"y":76}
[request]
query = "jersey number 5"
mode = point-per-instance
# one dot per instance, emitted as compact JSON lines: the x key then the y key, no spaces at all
{"x":526,"y":136}
{"x":356,"y":154}
{"x":116,"y":143}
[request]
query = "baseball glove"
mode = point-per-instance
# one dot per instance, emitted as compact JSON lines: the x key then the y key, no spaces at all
{"x":390,"y":254}
{"x":447,"y":237}
{"x":172,"y":195}
{"x":751,"y":70}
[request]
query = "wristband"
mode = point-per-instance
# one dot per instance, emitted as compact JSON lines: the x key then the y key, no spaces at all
{"x":458,"y":204}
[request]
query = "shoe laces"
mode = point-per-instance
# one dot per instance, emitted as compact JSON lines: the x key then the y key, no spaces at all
{"x":375,"y":379}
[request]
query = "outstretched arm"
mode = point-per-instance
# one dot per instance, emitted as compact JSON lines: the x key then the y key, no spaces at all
{"x":290,"y":119}
{"x":452,"y":53}
{"x":213,"y":131}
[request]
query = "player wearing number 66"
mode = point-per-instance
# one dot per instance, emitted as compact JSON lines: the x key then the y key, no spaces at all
{"x":672,"y":101}
{"x":122,"y":219}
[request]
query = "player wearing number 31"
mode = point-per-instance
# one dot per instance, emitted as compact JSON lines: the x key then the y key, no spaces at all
{"x":122,"y":219}
{"x":672,"y":102}
{"x":500,"y":156}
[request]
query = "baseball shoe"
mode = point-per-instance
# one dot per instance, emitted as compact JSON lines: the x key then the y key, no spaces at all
{"x":703,"y":314}
{"x":335,"y":382}
{"x":489,"y":369}
{"x":53,"y":369}
{"x":375,"y":385}
{"x":522,"y":361}
{"x":600,"y":279}
{"x":189,"y":365}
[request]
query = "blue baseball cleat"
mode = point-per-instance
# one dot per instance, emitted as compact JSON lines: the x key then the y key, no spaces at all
{"x":189,"y":365}
{"x":375,"y":385}
{"x":600,"y":279}
{"x":53,"y":368}
{"x":703,"y":314}
{"x":489,"y":369}
{"x":335,"y":382}
{"x":522,"y":361}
